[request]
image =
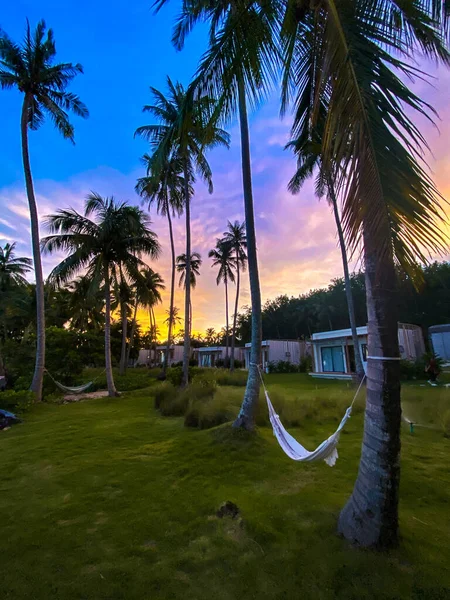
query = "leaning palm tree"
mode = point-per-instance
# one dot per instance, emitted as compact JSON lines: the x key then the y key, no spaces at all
{"x":31,"y":69}
{"x":117,"y":236}
{"x":13,"y":269}
{"x":307,"y":152}
{"x":147,"y":293}
{"x":184,"y":132}
{"x":235,"y":236}
{"x":342,"y":61}
{"x":164,"y":185}
{"x":239,"y":66}
{"x":196,"y":263}
{"x":223,"y":258}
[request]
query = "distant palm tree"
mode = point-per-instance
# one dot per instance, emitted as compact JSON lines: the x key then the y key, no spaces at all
{"x":124,"y":296}
{"x":307,"y":151}
{"x":164,"y":185}
{"x":86,"y":305}
{"x":196,"y":262}
{"x":185,"y":130}
{"x":13,"y":269}
{"x":235,"y":236}
{"x":118,"y":236}
{"x":31,"y":69}
{"x":210,"y":336}
{"x":147,"y":293}
{"x":222,"y":256}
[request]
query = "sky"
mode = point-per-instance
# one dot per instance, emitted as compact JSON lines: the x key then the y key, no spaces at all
{"x":124,"y":48}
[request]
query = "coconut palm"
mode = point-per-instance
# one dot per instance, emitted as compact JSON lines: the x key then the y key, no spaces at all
{"x":196,"y":262}
{"x":223,"y":258}
{"x":13,"y":268}
{"x":86,"y":305}
{"x":210,"y":336}
{"x":31,"y":69}
{"x":185,"y":131}
{"x":239,"y":65}
{"x":164,"y":185}
{"x":236,"y":238}
{"x":342,"y":61}
{"x":307,"y":152}
{"x":117,"y":236}
{"x":123,"y":294}
{"x":147,"y":293}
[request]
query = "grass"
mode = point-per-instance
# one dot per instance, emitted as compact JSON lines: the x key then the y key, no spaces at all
{"x":106,"y":499}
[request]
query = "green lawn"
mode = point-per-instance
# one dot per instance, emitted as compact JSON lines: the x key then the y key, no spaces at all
{"x":105,"y":499}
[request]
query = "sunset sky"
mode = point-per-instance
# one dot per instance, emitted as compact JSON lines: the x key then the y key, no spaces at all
{"x":124,"y":49}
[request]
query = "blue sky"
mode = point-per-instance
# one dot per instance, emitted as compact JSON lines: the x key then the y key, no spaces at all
{"x":124,"y":48}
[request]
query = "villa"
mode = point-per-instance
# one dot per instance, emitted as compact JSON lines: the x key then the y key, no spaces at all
{"x":334,"y":354}
{"x":279,"y":350}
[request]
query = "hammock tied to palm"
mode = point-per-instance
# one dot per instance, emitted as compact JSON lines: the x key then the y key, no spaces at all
{"x":326,"y":451}
{"x":79,"y":389}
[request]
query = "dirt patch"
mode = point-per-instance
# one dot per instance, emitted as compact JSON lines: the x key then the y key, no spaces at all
{"x":81,"y":397}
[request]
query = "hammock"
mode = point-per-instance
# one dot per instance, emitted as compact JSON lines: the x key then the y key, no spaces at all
{"x":327,"y":450}
{"x":79,"y":389}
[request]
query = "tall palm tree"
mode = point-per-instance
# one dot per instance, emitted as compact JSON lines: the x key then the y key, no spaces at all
{"x":147,"y":293}
{"x":196,"y":262}
{"x":223,"y":258}
{"x":117,"y":236}
{"x":185,"y":131}
{"x":342,"y":60}
{"x":239,"y":65}
{"x":308,"y":158}
{"x":124,"y":296}
{"x":236,"y":238}
{"x":164,"y":185}
{"x":31,"y":69}
{"x":13,"y":269}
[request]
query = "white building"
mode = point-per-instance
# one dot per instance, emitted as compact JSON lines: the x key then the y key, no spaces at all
{"x":440,"y":340}
{"x":276,"y":350}
{"x":158,"y":356}
{"x":208,"y":356}
{"x":334,"y":355}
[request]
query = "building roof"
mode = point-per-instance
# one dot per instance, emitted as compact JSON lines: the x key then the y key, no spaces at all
{"x":338,"y":333}
{"x":439,"y":328}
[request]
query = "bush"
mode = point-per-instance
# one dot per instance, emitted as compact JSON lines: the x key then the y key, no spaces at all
{"x":410,"y":370}
{"x":16,"y":401}
{"x":306,"y":364}
{"x":237,"y":378}
{"x":238,"y":364}
{"x":282,"y":366}
{"x":163,"y":393}
{"x":209,"y":411}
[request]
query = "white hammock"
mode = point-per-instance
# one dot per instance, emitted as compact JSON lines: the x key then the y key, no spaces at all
{"x":73,"y":390}
{"x":327,"y":450}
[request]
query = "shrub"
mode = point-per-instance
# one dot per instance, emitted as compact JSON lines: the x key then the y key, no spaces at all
{"x":164,"y":392}
{"x":306,"y":365}
{"x":237,"y":378}
{"x":175,"y":375}
{"x":16,"y":401}
{"x":282,"y":366}
{"x":209,"y":411}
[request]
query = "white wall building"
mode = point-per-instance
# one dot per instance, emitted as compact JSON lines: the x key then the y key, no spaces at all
{"x":157,"y":356}
{"x":334,"y":355}
{"x":440,"y":340}
{"x":276,"y":350}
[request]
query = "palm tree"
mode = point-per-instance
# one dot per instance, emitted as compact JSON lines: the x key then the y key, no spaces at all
{"x":196,"y":262}
{"x":31,"y":69}
{"x":147,"y":293}
{"x":241,"y":61}
{"x":165,"y":187}
{"x":210,"y":336}
{"x":184,"y":132}
{"x":308,"y":157}
{"x":235,"y":236}
{"x":124,"y":295}
{"x":116,"y":237}
{"x":13,"y":268}
{"x":86,"y":305}
{"x":342,"y":60}
{"x":222,"y":256}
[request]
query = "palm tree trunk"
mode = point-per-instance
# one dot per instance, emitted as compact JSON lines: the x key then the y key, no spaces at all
{"x":190,"y":316}
{"x":187,"y":297}
{"x":245,"y":418}
{"x":123,"y":350}
{"x":226,"y":321}
{"x":38,"y":377}
{"x":370,"y":517}
{"x":108,"y":365}
{"x":151,"y":333}
{"x":132,"y":333}
{"x":154,"y":333}
{"x":236,"y":305}
{"x":348,"y":287}
{"x":172,"y":292}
